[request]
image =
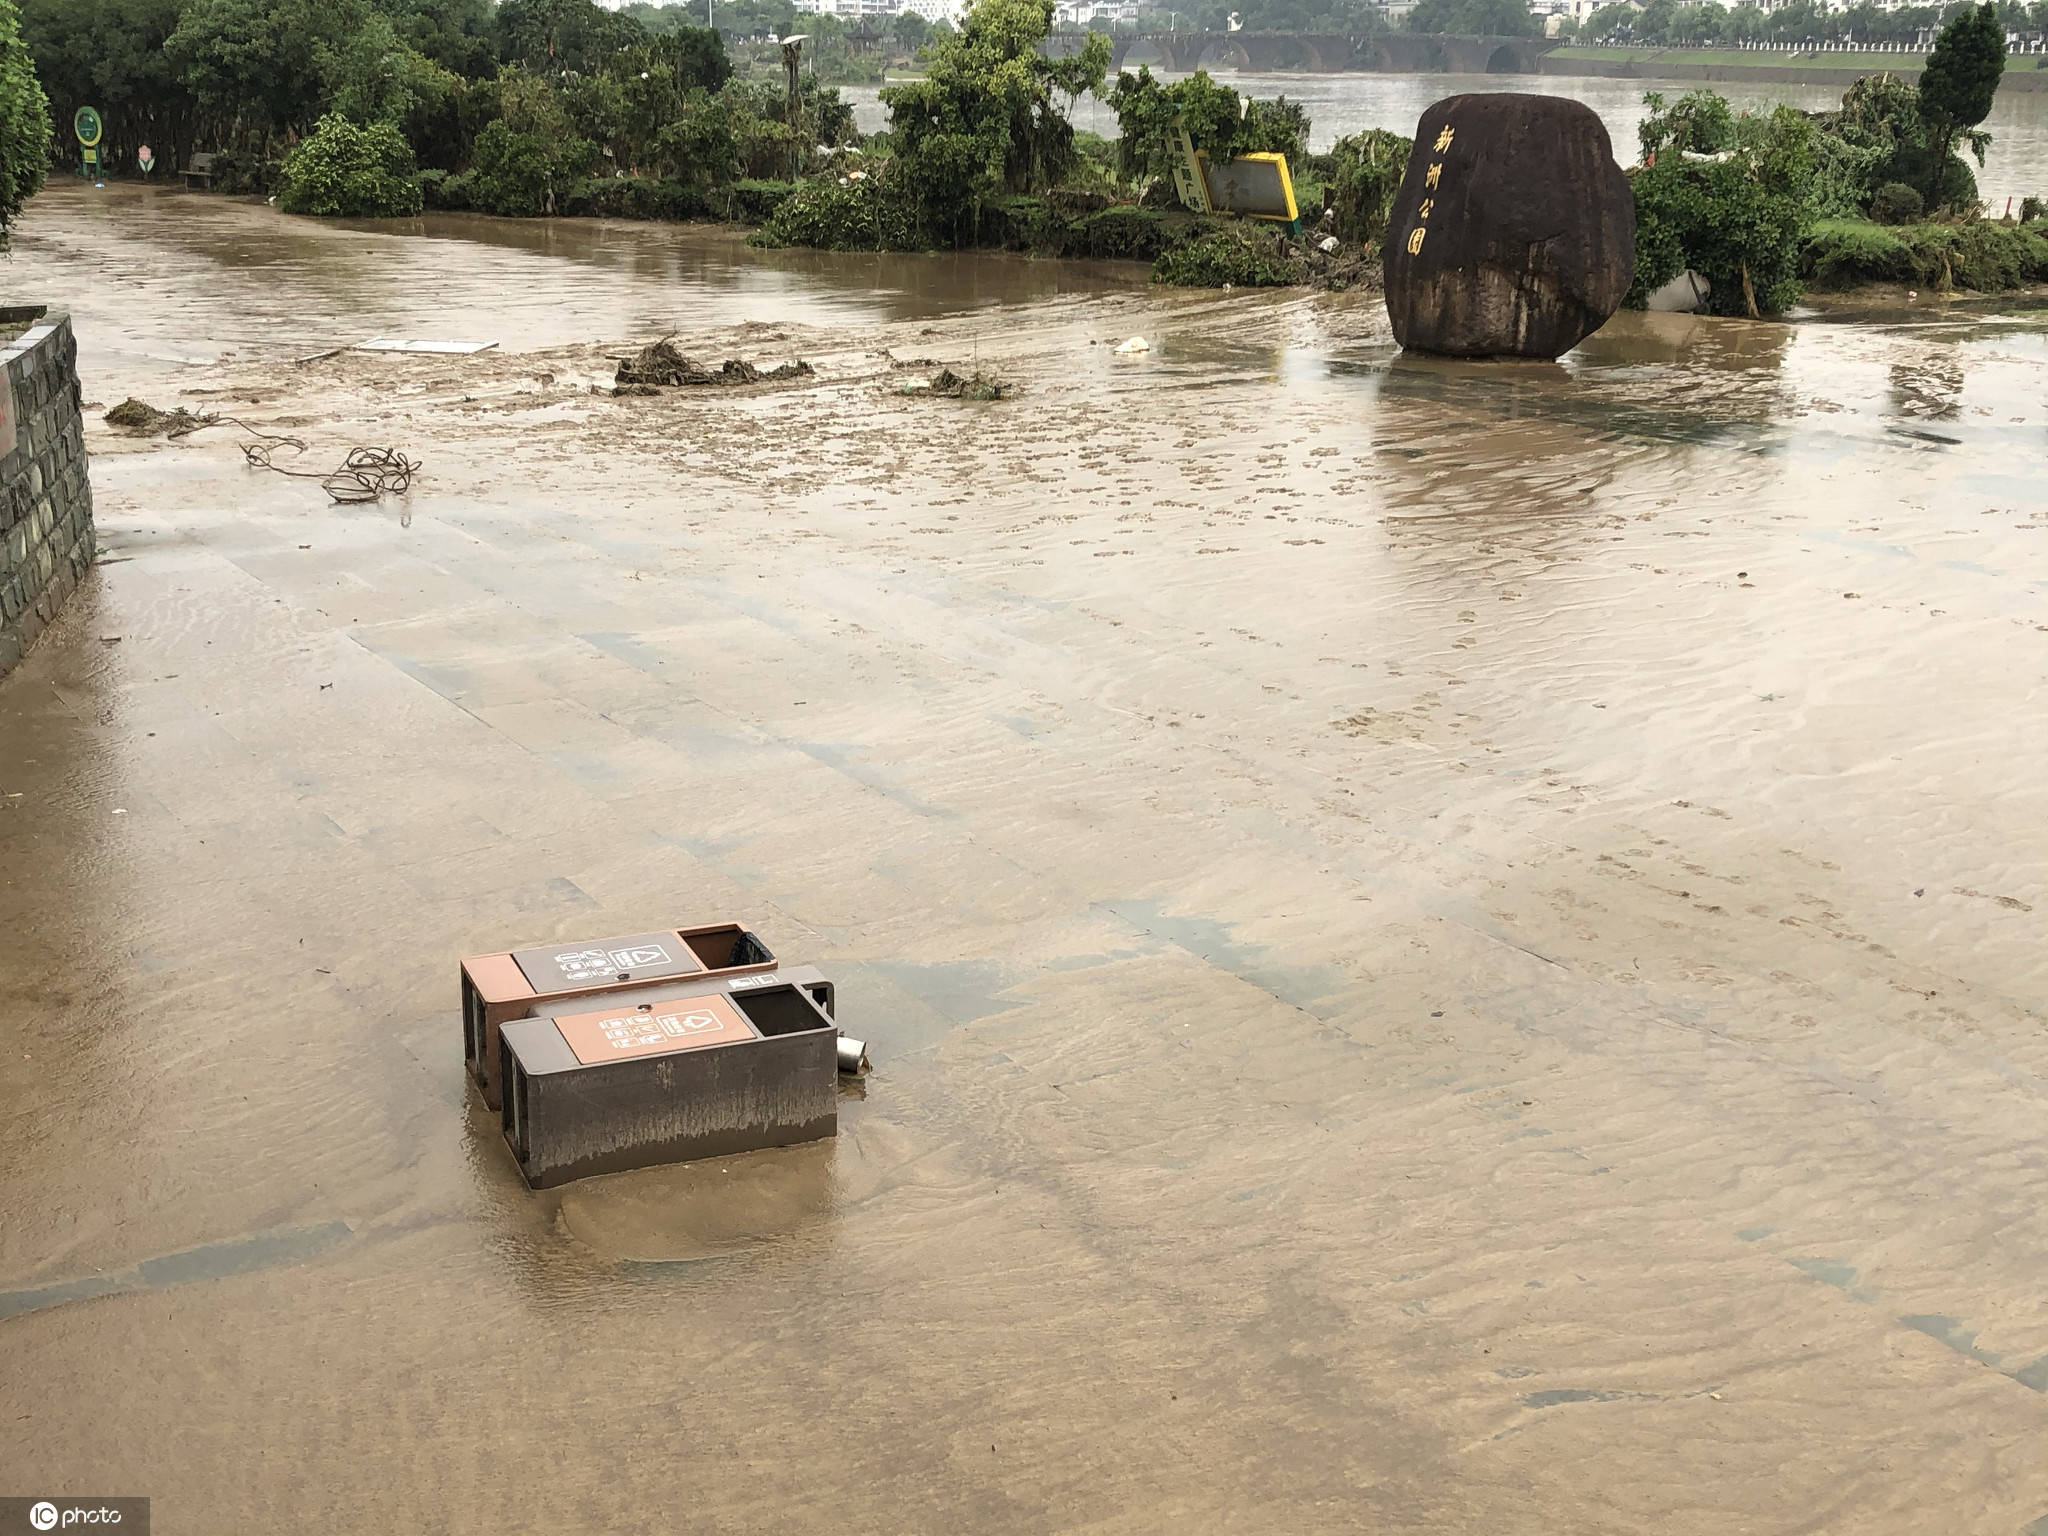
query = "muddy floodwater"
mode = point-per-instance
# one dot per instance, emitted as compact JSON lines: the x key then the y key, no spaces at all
{"x":1447,"y":947}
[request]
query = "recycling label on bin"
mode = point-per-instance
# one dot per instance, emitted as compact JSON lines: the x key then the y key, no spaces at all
{"x":654,"y":1029}
{"x":637,"y":957}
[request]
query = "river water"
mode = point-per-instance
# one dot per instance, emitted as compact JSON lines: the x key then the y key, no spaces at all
{"x":1341,"y":104}
{"x":1448,"y":947}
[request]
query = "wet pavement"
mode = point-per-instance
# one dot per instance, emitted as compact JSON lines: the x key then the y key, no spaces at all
{"x":1447,"y":947}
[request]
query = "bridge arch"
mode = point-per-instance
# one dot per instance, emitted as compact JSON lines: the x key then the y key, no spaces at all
{"x":1225,"y":51}
{"x":1503,"y":61}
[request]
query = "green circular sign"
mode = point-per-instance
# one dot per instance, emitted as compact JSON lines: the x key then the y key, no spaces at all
{"x":86,"y":124}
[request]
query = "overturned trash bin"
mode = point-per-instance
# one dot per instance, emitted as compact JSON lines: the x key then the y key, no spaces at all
{"x":703,"y":1075}
{"x":505,"y":986}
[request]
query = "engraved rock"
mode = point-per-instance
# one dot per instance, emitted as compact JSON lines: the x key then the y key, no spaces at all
{"x":1514,"y":232}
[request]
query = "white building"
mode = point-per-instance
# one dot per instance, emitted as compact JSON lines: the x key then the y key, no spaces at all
{"x":1082,"y":12}
{"x":853,"y":10}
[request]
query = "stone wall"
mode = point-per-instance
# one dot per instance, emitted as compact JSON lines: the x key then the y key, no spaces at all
{"x":46,"y":532}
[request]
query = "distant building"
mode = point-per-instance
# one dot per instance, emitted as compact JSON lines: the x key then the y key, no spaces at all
{"x":1555,"y":13}
{"x":853,"y":10}
{"x":1082,"y":12}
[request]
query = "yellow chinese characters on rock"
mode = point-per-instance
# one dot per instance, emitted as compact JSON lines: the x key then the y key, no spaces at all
{"x":1430,"y":178}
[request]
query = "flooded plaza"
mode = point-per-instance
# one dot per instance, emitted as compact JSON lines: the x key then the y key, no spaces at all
{"x":1448,"y":947}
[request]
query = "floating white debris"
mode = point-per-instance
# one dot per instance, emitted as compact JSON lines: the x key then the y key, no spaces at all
{"x":1135,"y":344}
{"x":405,"y":344}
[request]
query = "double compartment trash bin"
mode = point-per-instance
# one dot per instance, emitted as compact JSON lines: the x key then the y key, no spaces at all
{"x":658,"y":1047}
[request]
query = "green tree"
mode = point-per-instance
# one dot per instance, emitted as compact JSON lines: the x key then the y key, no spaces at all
{"x":267,"y":66}
{"x":1473,"y":18}
{"x":24,"y":122}
{"x":550,"y":36}
{"x":985,"y":121}
{"x":380,"y":78}
{"x":1956,"y":91}
{"x":910,"y":30}
{"x":1616,"y":20}
{"x":1880,"y":136}
{"x":458,"y":35}
{"x":345,"y":170}
{"x":524,"y":161}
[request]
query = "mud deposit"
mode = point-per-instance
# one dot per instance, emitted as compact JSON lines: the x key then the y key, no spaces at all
{"x":1448,"y":948}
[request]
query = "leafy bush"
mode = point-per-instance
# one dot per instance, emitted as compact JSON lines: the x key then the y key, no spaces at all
{"x":520,"y":174}
{"x":830,"y":215}
{"x":344,"y":170}
{"x":1698,"y":121}
{"x":1220,"y":124}
{"x":2032,"y":208}
{"x":1124,"y":233}
{"x":1981,"y":255}
{"x":240,"y":174}
{"x":1736,"y":220}
{"x":443,"y":189}
{"x":751,"y":200}
{"x":1896,"y":203}
{"x":24,"y":122}
{"x":632,"y":197}
{"x":1240,"y":255}
{"x":1846,"y":253}
{"x":1365,"y":172}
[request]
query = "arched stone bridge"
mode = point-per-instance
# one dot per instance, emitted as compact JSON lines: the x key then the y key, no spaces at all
{"x":1393,"y":52}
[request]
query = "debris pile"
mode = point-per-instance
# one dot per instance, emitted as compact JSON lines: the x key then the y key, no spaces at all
{"x":975,"y":386}
{"x":138,"y":418}
{"x":662,"y":366}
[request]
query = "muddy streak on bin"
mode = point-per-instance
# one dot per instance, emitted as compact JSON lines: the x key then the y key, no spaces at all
{"x":1448,"y":947}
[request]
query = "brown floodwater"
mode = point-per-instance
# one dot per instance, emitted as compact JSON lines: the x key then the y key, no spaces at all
{"x":1448,"y":947}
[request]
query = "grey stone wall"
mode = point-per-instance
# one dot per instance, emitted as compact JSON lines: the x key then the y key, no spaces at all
{"x":46,"y":532}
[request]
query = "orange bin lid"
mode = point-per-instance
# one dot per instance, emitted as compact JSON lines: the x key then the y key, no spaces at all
{"x":653,"y":1029}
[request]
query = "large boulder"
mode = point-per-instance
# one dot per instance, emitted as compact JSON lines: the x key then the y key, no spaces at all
{"x":1514,"y":232}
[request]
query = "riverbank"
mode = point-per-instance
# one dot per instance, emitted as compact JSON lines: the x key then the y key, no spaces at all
{"x":1842,"y":257}
{"x":2023,"y":75}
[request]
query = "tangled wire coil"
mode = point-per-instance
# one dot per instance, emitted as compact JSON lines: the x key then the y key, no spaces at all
{"x":364,"y":475}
